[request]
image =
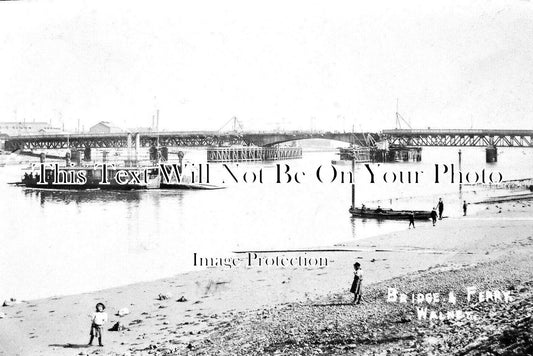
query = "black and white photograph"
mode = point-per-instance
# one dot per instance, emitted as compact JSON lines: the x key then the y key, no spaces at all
{"x":266,"y":177}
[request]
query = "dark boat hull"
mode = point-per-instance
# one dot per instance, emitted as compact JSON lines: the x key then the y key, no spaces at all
{"x":188,"y":186}
{"x":90,"y":184}
{"x":389,"y":214}
{"x":87,"y":186}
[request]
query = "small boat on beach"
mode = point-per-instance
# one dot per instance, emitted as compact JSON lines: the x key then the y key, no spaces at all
{"x":380,"y":213}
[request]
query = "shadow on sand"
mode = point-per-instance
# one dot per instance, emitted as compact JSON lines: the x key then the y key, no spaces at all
{"x":331,"y":304}
{"x":71,"y":346}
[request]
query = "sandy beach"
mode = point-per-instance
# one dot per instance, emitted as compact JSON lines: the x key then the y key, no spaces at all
{"x":234,"y":310}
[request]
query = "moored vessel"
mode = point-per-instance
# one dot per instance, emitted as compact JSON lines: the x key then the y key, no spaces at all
{"x":81,"y":178}
{"x":380,"y":213}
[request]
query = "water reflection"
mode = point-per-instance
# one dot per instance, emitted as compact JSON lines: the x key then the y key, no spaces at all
{"x":47,"y":196}
{"x":66,"y":197}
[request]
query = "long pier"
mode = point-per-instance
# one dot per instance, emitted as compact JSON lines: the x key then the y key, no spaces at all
{"x":250,"y":154}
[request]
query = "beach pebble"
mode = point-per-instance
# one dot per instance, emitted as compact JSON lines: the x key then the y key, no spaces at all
{"x":118,"y":327}
{"x":10,"y":302}
{"x":164,"y":296}
{"x":123,"y":311}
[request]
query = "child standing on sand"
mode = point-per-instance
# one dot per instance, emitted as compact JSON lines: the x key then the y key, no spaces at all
{"x":433,"y":216}
{"x":357,"y":283}
{"x":412,"y":219}
{"x":98,"y":319}
{"x":440,"y":207}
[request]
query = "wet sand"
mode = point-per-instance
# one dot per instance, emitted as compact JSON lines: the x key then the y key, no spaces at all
{"x":218,"y":296}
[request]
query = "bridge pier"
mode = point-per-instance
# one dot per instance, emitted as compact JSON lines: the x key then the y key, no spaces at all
{"x":164,"y":153}
{"x":491,"y":154}
{"x":157,"y":154}
{"x":87,"y":154}
{"x":76,"y":156}
{"x":137,"y":146}
{"x":153,"y":153}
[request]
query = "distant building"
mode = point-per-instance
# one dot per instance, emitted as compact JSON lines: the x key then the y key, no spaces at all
{"x":105,"y":127}
{"x":50,"y":130}
{"x":17,"y":128}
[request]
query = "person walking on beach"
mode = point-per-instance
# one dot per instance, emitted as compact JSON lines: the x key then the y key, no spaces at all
{"x":464,"y":207}
{"x":357,"y":283}
{"x":98,"y":319}
{"x":433,"y":216}
{"x":440,"y":206}
{"x":412,"y":219}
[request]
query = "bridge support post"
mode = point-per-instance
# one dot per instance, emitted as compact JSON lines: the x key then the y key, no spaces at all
{"x":87,"y":154}
{"x":491,"y":154}
{"x":164,"y":153}
{"x":181,"y":154}
{"x":153,"y":153}
{"x":76,"y":156}
{"x":129,"y":146}
{"x":137,"y":146}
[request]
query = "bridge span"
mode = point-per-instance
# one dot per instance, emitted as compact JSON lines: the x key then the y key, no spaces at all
{"x":395,"y":137}
{"x":177,"y":139}
{"x":459,"y":137}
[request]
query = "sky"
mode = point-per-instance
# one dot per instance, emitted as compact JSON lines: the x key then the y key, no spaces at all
{"x":307,"y":65}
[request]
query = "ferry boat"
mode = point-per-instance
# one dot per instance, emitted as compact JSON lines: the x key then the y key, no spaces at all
{"x":118,"y":178}
{"x":380,"y":213}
